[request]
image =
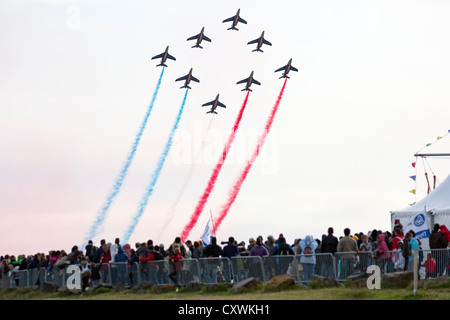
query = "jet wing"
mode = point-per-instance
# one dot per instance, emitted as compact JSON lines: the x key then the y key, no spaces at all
{"x":242,"y":81}
{"x":293,"y":68}
{"x":256,"y":82}
{"x":206,"y":38}
{"x":253,"y":41}
{"x":282,"y":68}
{"x":158,"y":56}
{"x":242,"y":20}
{"x":182,"y":78}
{"x":267,"y":42}
{"x":208,"y":103}
{"x":220,"y":104}
{"x":193,"y":37}
{"x":171,"y":57}
{"x":195,"y":79}
{"x":229,"y":19}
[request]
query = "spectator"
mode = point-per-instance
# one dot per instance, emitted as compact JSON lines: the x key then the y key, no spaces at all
{"x":430,"y":266}
{"x":177,"y":244}
{"x":230,"y":250}
{"x":282,"y":248}
{"x":308,"y":257}
{"x":212,"y":250}
{"x":382,"y":254}
{"x":88,"y":249}
{"x":398,"y":236}
{"x":115,"y":248}
{"x":175,"y":260}
{"x":258,"y":249}
{"x":270,"y":243}
{"x":406,"y":250}
{"x":438,"y":246}
{"x":251,"y":244}
{"x":347,"y":261}
{"x":330,"y":242}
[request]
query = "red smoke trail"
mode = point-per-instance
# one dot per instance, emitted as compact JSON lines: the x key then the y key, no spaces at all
{"x":238,"y":184}
{"x":212,"y":180}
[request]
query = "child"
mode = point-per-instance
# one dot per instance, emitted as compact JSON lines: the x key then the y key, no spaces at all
{"x":430,"y":266}
{"x":175,"y":259}
{"x":406,"y":249}
{"x":398,"y":259}
{"x":85,"y":273}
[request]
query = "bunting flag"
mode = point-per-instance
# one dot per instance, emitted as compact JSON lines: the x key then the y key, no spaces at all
{"x":413,"y":177}
{"x":439,"y":138}
{"x":413,"y":164}
{"x":412,"y":204}
{"x":413,"y":191}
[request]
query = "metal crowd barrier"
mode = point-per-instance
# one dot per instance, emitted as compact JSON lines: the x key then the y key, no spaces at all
{"x":432,"y":264}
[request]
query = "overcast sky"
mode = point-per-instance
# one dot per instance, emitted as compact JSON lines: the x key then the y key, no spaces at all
{"x":76,"y":78}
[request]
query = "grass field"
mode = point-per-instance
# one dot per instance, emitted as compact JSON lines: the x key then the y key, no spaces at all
{"x":430,"y":290}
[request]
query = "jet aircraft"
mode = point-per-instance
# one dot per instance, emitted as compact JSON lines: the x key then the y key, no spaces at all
{"x":259,"y":42}
{"x":214,"y":105}
{"x":187,"y":79}
{"x":248,"y":82}
{"x":164,"y":57}
{"x":286,"y":69}
{"x":235,"y":19}
{"x":201,"y":36}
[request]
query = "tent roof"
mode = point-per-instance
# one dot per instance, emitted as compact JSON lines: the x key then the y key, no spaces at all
{"x":437,"y":200}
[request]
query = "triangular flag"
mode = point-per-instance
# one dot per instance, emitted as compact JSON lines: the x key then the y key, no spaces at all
{"x":413,"y":191}
{"x":439,"y":138}
{"x":413,"y":164}
{"x":413,"y":177}
{"x":429,"y":144}
{"x":412,"y":204}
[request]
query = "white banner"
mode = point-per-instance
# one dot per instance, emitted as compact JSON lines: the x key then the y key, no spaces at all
{"x":419,"y":224}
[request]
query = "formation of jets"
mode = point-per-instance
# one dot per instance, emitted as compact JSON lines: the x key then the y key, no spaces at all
{"x":248,"y":81}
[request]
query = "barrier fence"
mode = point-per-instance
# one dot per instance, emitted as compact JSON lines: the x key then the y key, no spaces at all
{"x":432,"y":264}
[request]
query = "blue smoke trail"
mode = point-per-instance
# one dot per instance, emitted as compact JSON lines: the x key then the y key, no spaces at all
{"x":102,"y":214}
{"x":154,"y":178}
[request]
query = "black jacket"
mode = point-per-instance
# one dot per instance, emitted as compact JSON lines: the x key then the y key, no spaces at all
{"x":329,"y":244}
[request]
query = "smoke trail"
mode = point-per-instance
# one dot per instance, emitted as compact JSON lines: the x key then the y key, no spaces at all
{"x":185,"y":183}
{"x":212,"y":180}
{"x":102,"y":214}
{"x":154,"y":178}
{"x":238,"y":184}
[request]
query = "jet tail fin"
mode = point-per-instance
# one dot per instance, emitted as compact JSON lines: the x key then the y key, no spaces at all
{"x":257,"y":49}
{"x":161,"y":64}
{"x":247,"y":89}
{"x":185,"y":87}
{"x":212,"y":112}
{"x":233,"y":28}
{"x":197,"y":46}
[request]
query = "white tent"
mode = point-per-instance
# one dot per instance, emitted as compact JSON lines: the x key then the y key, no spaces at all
{"x":436,"y":205}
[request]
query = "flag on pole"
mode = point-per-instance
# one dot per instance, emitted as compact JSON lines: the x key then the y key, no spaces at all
{"x":413,"y":191}
{"x":413,"y":177}
{"x":207,"y":234}
{"x":413,"y":164}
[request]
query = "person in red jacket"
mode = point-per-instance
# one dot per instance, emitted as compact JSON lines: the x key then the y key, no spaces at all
{"x":398,"y":236}
{"x":430,"y":266}
{"x":177,"y":265}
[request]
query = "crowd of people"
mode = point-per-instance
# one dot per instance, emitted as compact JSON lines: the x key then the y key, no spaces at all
{"x":379,"y":243}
